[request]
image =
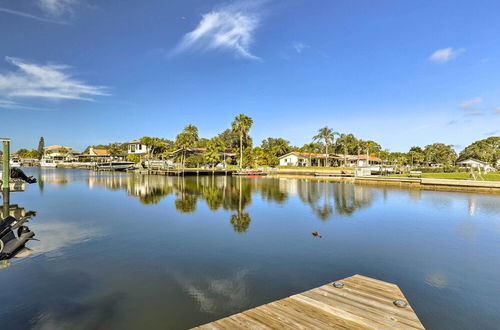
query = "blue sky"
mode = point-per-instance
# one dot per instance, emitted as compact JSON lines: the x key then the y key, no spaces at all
{"x":402,"y":73}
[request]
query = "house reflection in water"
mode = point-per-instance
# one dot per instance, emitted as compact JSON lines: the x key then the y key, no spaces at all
{"x":235,"y":193}
{"x":327,"y":199}
{"x":14,"y":234}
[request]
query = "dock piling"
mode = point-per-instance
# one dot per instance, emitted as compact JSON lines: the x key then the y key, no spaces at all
{"x":6,"y":174}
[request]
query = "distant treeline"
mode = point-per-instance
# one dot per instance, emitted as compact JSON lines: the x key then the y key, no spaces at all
{"x":237,"y":139}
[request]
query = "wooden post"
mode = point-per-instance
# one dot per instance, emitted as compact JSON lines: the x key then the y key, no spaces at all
{"x":6,"y":164}
{"x":6,"y":176}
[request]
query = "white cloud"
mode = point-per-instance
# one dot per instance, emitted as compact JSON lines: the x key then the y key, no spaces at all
{"x":300,"y":47}
{"x":471,"y":104}
{"x":229,"y":28}
{"x":6,"y":104}
{"x":445,"y":54}
{"x":30,"y":16}
{"x":45,"y":81}
{"x":11,"y":105}
{"x":57,"y":8}
{"x":497,"y":111}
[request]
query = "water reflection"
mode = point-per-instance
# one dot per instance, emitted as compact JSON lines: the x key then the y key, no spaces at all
{"x":235,"y":193}
{"x":186,"y":265}
{"x":325,"y":198}
{"x":217,"y":294}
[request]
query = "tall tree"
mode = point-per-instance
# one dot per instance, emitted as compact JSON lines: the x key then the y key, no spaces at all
{"x":214,"y":147}
{"x":276,"y":146}
{"x":416,"y":155}
{"x":115,"y":149}
{"x":186,"y":140}
{"x":242,"y":125}
{"x":154,"y":145}
{"x":41,"y":147}
{"x":486,"y":150}
{"x":440,"y":153}
{"x":327,"y":135}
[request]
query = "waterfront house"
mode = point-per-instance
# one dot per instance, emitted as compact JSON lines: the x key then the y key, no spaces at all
{"x":136,"y":148}
{"x":59,"y":153}
{"x":306,"y":159}
{"x":367,"y":160}
{"x":96,"y":155}
{"x":475,"y":164}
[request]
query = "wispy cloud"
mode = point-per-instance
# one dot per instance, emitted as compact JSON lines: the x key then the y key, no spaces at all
{"x":11,"y":105}
{"x":471,"y":104}
{"x":45,"y":81}
{"x":57,"y":8}
{"x":30,"y":16}
{"x":230,"y":28}
{"x":497,"y":111}
{"x":300,"y":47}
{"x":493,"y":133}
{"x":446,"y":54}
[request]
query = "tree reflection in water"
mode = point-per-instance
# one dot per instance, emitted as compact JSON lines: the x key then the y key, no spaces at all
{"x":241,"y":220}
{"x":324,"y":197}
{"x":235,"y":193}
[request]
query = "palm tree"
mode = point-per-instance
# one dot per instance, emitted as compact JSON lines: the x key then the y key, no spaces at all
{"x":328,"y":136}
{"x":241,"y":125}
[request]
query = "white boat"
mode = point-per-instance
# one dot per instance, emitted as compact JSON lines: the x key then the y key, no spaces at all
{"x":47,"y":162}
{"x":115,"y":166}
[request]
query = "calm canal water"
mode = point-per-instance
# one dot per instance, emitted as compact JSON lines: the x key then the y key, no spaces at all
{"x":119,"y":251}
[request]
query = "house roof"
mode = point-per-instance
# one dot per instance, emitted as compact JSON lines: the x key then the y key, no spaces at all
{"x":371,"y":158}
{"x":310,"y":154}
{"x":134,"y":142}
{"x":303,"y":154}
{"x":56,"y":146}
{"x":472,"y":160}
{"x":100,"y":152}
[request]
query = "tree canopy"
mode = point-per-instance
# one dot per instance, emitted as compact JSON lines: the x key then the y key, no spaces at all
{"x":486,"y":150}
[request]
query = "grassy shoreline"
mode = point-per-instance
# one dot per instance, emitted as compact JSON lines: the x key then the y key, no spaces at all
{"x":493,"y":176}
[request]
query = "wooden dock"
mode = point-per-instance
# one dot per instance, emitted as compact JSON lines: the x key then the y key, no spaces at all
{"x":356,"y":302}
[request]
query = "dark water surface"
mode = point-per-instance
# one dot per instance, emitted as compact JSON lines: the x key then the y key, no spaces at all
{"x":121,"y":251}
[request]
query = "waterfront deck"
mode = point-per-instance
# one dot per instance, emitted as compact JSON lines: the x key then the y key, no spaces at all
{"x":362,"y":303}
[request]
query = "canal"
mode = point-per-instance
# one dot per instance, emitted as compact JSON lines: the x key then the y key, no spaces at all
{"x":125,"y":251}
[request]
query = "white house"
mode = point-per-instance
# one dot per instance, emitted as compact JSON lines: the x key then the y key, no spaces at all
{"x":475,"y":164}
{"x":136,"y":148}
{"x":60,"y":153}
{"x":304,"y":159}
{"x":301,"y":159}
{"x":367,"y":160}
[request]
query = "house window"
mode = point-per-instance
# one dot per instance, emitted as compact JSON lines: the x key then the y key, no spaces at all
{"x":132,"y":148}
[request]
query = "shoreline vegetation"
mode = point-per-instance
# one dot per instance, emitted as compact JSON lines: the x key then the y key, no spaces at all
{"x":234,"y":148}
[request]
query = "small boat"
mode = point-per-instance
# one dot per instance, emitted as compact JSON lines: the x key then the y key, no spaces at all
{"x":47,"y":162}
{"x":115,"y":166}
{"x":250,"y":173}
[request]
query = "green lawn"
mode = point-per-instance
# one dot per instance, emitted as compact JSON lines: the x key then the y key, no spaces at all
{"x":492,"y":176}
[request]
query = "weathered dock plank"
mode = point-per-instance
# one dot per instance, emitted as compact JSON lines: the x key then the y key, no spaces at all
{"x":362,"y":303}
